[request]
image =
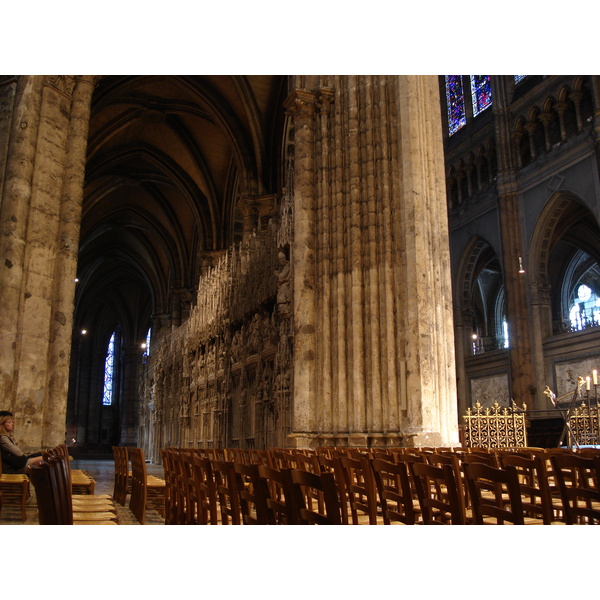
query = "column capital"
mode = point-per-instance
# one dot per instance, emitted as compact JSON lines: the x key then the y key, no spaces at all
{"x":300,"y":102}
{"x":325,"y":98}
{"x":65,"y":84}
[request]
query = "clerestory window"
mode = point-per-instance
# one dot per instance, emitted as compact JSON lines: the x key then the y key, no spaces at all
{"x":466,"y":97}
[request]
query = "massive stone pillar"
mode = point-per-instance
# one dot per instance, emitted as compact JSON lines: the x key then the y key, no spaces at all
{"x":522,"y":370}
{"x":373,"y":333}
{"x":44,"y":138}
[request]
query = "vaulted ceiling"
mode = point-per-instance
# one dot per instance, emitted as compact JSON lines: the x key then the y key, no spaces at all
{"x":168,"y":159}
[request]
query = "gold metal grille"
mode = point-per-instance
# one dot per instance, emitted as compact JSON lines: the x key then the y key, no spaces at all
{"x":584,"y":426}
{"x":495,"y":427}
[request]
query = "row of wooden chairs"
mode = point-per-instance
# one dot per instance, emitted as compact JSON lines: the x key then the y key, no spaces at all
{"x":357,"y":486}
{"x":205,"y":491}
{"x":146,"y":492}
{"x":57,"y":503}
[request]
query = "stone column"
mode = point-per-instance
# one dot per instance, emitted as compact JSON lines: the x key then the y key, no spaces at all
{"x":521,"y":375}
{"x":127,"y":417}
{"x":39,"y":226}
{"x":370,"y":265}
{"x":66,"y":263}
{"x":14,"y":212}
{"x":301,"y":106}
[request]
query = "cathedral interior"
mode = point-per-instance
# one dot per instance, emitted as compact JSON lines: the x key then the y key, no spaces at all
{"x":294,"y":261}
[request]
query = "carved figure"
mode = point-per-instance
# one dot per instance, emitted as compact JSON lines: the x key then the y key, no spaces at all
{"x":283,"y":286}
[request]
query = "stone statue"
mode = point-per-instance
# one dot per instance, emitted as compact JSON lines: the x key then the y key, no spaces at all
{"x":283,"y":286}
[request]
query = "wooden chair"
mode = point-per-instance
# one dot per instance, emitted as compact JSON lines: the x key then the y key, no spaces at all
{"x":122,"y":485}
{"x":189,"y":488}
{"x":184,"y":512}
{"x":303,"y":487}
{"x":328,"y":463}
{"x":171,"y":498}
{"x":438,"y":494}
{"x":555,"y":494}
{"x":449,"y":458}
{"x":253,"y":493}
{"x":578,"y":483}
{"x":486,"y":457}
{"x":281,"y":510}
{"x":81,"y":507}
{"x":258,"y":457}
{"x":409,"y":458}
{"x":205,"y":491}
{"x":495,"y":495}
{"x":53,"y":494}
{"x":155,"y":490}
{"x":14,"y":489}
{"x":282,"y":459}
{"x":82,"y":483}
{"x":139,"y":491}
{"x":226,"y":492}
{"x":392,"y":481}
{"x":533,"y":484}
{"x":83,"y":498}
{"x":308,"y":462}
{"x":358,"y":490}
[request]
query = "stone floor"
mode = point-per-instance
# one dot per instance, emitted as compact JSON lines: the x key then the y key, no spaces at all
{"x":103,"y":472}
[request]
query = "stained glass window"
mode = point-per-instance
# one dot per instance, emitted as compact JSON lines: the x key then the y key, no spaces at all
{"x":109,"y":368}
{"x":481,"y":93}
{"x":519,"y":78}
{"x":147,"y":347}
{"x":455,"y":101}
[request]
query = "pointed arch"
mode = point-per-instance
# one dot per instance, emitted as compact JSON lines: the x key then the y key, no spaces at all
{"x":481,"y":296}
{"x":565,"y":246}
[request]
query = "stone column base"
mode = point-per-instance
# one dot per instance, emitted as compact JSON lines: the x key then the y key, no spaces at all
{"x":360,"y":440}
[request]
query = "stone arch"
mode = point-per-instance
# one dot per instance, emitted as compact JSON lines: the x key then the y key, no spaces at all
{"x":521,"y":143}
{"x":560,"y":212}
{"x":476,"y":254}
{"x":565,"y":226}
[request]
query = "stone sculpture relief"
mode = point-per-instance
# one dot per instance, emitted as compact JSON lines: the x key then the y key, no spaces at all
{"x":225,"y":373}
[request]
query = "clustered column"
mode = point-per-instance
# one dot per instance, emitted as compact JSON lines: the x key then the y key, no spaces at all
{"x":371,"y":269}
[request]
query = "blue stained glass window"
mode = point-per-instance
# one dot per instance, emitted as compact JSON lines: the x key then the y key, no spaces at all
{"x":148,"y":336}
{"x":481,"y":93}
{"x":109,"y":368}
{"x":455,"y":101}
{"x":519,"y":78}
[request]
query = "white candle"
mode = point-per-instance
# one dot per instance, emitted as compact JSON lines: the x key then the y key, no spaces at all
{"x":587,"y":382}
{"x":595,"y":376}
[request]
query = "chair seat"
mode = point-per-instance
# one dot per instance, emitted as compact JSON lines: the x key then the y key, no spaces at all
{"x":93,"y":516}
{"x":92,"y":508}
{"x":94,"y":503}
{"x":155,"y":481}
{"x":10,"y":478}
{"x":92,"y":497}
